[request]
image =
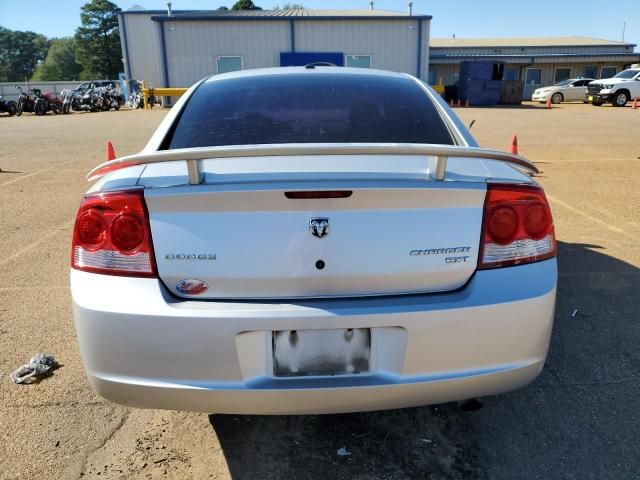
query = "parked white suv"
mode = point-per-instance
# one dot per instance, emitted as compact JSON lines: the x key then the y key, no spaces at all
{"x":618,"y":89}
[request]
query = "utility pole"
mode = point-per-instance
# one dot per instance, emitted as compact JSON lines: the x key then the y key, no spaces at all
{"x":624,"y":28}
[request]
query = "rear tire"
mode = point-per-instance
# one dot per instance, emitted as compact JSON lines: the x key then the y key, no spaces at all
{"x":620,"y":99}
{"x":40,"y":109}
{"x":557,"y":98}
{"x":12,"y":108}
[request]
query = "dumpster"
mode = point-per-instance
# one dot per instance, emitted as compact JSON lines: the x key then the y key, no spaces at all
{"x":481,"y":82}
{"x":512,"y":92}
{"x":481,"y":92}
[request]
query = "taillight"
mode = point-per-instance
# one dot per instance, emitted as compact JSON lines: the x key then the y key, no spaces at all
{"x":112,"y":235}
{"x":517,"y":226}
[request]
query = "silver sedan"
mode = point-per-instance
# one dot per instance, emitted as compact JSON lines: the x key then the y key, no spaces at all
{"x":572,"y":90}
{"x":312,"y":240}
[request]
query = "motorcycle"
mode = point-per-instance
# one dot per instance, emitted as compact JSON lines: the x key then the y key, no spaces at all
{"x":8,"y":106}
{"x":25,"y":102}
{"x":68,"y":98}
{"x":81,"y":100}
{"x":136,"y":100}
{"x":111,"y":98}
{"x":47,"y":102}
{"x":135,"y":97}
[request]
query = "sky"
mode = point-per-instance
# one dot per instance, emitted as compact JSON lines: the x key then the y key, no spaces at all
{"x":464,"y":18}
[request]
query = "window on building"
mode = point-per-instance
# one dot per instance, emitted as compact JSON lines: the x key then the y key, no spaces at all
{"x":590,"y":72}
{"x":560,"y":74}
{"x":534,"y":76}
{"x":608,"y":72}
{"x":229,"y":64}
{"x":360,"y":61}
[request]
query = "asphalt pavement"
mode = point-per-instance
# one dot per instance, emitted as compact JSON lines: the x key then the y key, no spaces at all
{"x":578,"y":420}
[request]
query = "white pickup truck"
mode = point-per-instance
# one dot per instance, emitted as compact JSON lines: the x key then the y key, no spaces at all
{"x":618,"y":90}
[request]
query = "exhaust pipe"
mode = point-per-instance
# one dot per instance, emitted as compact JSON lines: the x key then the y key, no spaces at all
{"x":410,"y":8}
{"x":169,"y":11}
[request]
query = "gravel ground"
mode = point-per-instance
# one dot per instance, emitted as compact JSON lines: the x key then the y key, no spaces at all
{"x":579,"y":420}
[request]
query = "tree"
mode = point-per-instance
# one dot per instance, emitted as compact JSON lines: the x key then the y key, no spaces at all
{"x":60,"y":63}
{"x":245,"y":5}
{"x":222,"y":9}
{"x":98,"y":40}
{"x":20,"y":53}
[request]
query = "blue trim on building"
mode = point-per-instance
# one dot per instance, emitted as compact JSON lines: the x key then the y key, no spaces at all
{"x":163,"y":56}
{"x":293,"y":35}
{"x":155,"y":12}
{"x":462,"y":47}
{"x":419,"y":60}
{"x":458,"y":56}
{"x":300,"y":59}
{"x":127,"y":65}
{"x":216,"y":18}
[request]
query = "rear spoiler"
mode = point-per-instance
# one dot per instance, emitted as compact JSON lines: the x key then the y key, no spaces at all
{"x":193,"y":156}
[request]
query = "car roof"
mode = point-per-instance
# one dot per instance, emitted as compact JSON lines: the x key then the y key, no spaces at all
{"x":258,"y":72}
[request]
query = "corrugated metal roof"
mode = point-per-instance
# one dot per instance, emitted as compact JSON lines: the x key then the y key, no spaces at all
{"x":295,"y":12}
{"x":523,"y":42}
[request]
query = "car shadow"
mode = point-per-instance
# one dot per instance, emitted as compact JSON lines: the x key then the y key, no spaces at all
{"x":523,"y":434}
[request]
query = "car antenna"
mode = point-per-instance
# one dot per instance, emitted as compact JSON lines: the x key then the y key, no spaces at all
{"x":471,"y":124}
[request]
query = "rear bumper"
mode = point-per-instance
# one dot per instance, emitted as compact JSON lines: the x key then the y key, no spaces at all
{"x":144,"y":348}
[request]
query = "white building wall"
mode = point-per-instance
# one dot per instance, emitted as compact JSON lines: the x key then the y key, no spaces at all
{"x":143,"y":45}
{"x":192,"y":47}
{"x":392,"y":44}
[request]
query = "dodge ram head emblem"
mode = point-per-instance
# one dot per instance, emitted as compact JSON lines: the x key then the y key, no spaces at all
{"x":319,"y":227}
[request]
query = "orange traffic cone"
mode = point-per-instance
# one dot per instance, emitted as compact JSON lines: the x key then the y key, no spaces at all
{"x":459,"y":103}
{"x":466,"y":104}
{"x":548,"y":104}
{"x":111,"y":155}
{"x":514,"y":145}
{"x":451,"y":103}
{"x":635,"y":103}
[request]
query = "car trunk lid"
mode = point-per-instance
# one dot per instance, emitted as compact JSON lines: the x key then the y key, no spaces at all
{"x":251,"y":238}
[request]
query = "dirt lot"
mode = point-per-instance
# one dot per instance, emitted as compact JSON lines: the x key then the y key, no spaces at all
{"x":579,"y":420}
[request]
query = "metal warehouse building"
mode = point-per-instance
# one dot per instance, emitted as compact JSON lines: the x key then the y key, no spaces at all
{"x":176,"y":49}
{"x":536,"y":61}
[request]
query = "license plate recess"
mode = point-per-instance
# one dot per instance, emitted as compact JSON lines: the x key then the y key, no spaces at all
{"x":321,"y":352}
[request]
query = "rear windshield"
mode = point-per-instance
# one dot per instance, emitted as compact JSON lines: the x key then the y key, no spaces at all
{"x":309,"y":107}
